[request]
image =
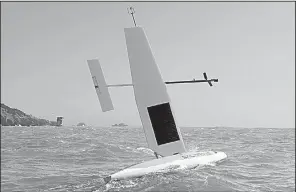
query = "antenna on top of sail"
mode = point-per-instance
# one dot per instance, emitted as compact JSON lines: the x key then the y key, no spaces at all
{"x":132,"y":11}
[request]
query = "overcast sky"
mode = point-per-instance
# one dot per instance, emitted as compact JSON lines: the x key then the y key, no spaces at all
{"x":249,"y":47}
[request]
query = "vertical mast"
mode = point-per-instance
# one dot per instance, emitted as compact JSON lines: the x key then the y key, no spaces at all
{"x":132,"y":11}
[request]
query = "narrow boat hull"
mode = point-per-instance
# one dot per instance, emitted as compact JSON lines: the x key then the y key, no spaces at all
{"x":179,"y":161}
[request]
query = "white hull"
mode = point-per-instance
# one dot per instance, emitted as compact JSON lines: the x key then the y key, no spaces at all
{"x":186,"y":160}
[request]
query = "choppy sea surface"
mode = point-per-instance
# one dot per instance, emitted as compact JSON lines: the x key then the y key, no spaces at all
{"x":78,"y":158}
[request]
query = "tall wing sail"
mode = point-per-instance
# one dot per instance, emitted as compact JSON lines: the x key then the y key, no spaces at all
{"x":153,"y":102}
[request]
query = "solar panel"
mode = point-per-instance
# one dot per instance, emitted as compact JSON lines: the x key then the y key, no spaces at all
{"x":163,"y":123}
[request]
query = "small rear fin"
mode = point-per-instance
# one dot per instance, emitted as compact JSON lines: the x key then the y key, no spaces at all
{"x":100,"y":85}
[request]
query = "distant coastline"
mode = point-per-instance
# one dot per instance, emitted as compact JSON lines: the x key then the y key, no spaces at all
{"x":16,"y":117}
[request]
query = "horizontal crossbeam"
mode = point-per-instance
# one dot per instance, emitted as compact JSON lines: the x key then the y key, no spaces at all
{"x":171,"y":82}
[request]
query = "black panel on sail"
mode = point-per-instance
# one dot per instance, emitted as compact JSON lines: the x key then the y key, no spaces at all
{"x":163,"y":123}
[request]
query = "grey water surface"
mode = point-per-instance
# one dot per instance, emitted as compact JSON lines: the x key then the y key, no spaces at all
{"x":78,"y":158}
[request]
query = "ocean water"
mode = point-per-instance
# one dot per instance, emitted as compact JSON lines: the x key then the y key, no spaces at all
{"x":77,"y":158}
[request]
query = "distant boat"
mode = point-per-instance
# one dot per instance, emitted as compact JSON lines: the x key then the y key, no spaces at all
{"x":119,"y":125}
{"x":80,"y":124}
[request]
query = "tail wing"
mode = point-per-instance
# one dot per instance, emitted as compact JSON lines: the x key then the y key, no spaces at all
{"x":100,"y":85}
